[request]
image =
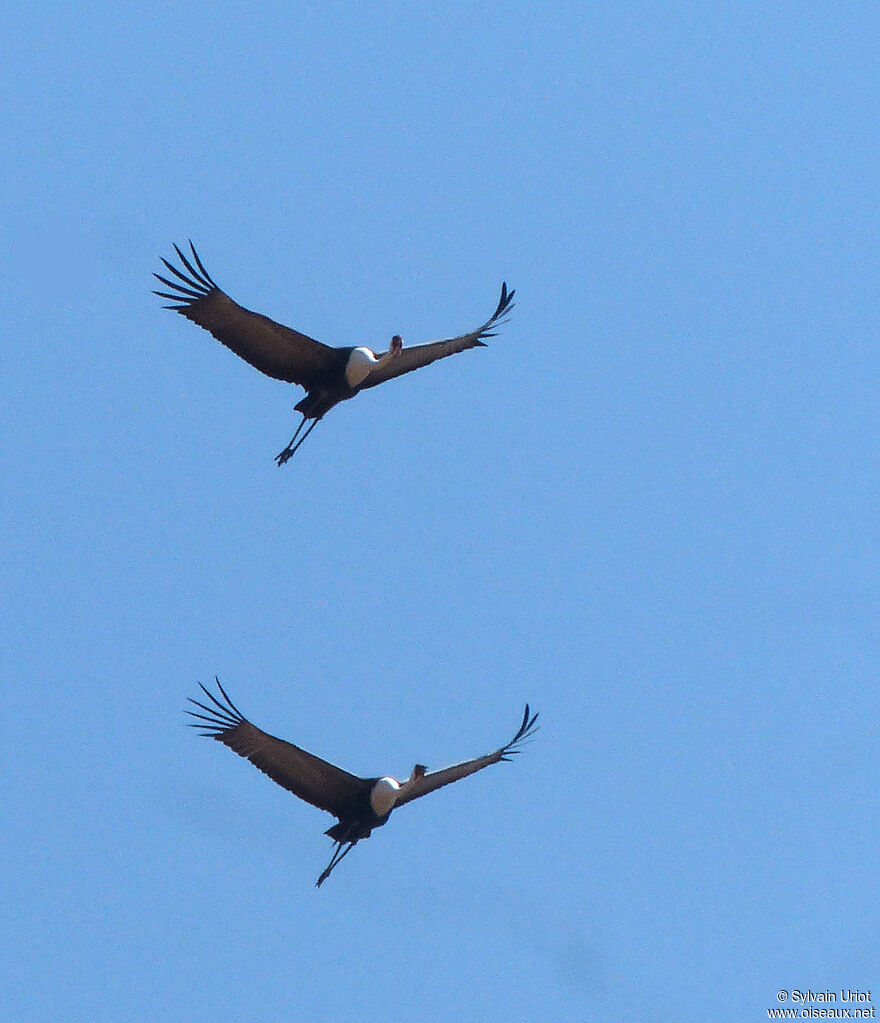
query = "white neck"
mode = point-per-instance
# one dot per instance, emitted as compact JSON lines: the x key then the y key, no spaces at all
{"x":418,"y":772}
{"x":386,"y":358}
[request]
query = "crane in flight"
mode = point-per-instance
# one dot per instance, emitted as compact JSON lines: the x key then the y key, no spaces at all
{"x":359,"y":804}
{"x":329,"y":375}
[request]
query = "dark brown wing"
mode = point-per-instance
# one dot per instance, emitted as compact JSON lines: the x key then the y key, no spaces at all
{"x":307,"y":776}
{"x":437,"y":779}
{"x":423,"y":355}
{"x":274,"y":349}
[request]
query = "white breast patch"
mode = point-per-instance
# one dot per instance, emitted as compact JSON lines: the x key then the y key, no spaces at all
{"x":383,"y":796}
{"x":358,"y":367}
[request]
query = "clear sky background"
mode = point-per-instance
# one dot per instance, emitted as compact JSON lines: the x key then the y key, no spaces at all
{"x":649,"y":508}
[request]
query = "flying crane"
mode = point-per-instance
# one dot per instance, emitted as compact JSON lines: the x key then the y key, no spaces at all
{"x":359,"y":804}
{"x":329,"y":375}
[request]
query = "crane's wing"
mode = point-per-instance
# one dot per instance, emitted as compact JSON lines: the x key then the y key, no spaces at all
{"x":274,"y":349}
{"x":423,"y":355}
{"x":437,"y":779}
{"x":307,"y":776}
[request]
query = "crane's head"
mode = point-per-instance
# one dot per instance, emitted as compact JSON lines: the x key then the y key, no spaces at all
{"x":396,"y":345}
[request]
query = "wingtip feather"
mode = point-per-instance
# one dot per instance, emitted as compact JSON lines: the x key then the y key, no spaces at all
{"x":201,"y":265}
{"x":220,"y":718}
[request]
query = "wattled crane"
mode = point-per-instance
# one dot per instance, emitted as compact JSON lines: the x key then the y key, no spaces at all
{"x":359,"y":804}
{"x":329,"y":375}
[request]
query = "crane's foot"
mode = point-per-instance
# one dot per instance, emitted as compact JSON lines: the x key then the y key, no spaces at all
{"x":295,"y":444}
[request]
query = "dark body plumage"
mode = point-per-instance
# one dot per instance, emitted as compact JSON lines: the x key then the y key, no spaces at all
{"x":359,"y":804}
{"x":329,"y":375}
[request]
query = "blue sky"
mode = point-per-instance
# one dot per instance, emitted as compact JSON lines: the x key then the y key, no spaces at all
{"x":649,"y":508}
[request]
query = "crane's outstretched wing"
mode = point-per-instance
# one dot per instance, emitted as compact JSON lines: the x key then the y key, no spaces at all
{"x":307,"y":776}
{"x":437,"y":779}
{"x":423,"y":355}
{"x":274,"y":349}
